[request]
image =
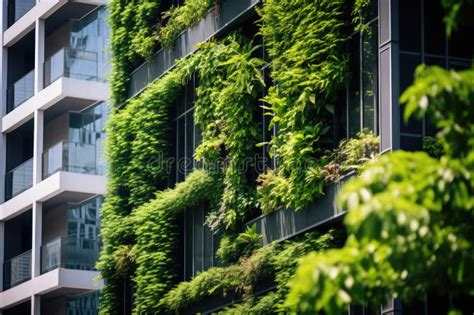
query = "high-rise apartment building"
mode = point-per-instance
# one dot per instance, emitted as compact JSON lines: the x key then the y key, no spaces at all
{"x":54,"y":106}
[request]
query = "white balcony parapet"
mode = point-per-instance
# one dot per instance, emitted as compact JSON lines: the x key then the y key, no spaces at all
{"x":53,"y":186}
{"x":58,"y":90}
{"x":42,"y":10}
{"x":80,"y":280}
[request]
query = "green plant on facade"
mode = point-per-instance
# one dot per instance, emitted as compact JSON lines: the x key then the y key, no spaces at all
{"x":409,"y":215}
{"x":232,"y":247}
{"x":276,"y":261}
{"x":309,"y":64}
{"x":180,"y":18}
{"x":138,"y":151}
{"x":137,"y":30}
{"x":305,"y":40}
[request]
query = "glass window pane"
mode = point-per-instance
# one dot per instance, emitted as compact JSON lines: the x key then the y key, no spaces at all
{"x":411,"y":143}
{"x":354,"y":87}
{"x":434,"y":28}
{"x":198,"y":239}
{"x":370,"y":75}
{"x":410,"y":25}
{"x":189,"y":141}
{"x":408,"y":64}
{"x":180,"y":152}
{"x":188,"y":271}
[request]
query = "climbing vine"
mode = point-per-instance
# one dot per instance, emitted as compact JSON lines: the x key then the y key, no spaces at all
{"x":139,"y":155}
{"x":306,"y":43}
{"x":178,"y":19}
{"x":305,"y":40}
{"x":276,"y":261}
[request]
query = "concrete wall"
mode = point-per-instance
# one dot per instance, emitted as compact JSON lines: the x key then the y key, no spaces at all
{"x":55,"y":130}
{"x":55,"y":306}
{"x":54,"y":223}
{"x":57,"y":39}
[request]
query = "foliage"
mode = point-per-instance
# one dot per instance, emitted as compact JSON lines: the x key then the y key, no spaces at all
{"x":138,"y":155}
{"x":409,"y":215}
{"x":456,"y":10}
{"x":139,"y":162}
{"x":156,"y":236}
{"x":351,"y":155}
{"x":182,"y":17}
{"x":229,"y":80}
{"x":277,"y":260}
{"x":132,"y":40}
{"x":432,"y":146}
{"x":305,"y":40}
{"x":233,"y":247}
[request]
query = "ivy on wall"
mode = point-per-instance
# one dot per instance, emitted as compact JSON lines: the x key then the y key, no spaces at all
{"x":305,"y":41}
{"x":178,"y":19}
{"x":138,"y":29}
{"x":135,"y":217}
{"x":275,"y":262}
{"x":139,"y":214}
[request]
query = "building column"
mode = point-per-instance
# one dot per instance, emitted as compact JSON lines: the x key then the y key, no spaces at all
{"x":2,"y":250}
{"x":36,"y":242}
{"x":35,"y":305}
{"x":39,"y":55}
{"x":3,"y":98}
{"x":389,"y":81}
{"x":38,"y":146}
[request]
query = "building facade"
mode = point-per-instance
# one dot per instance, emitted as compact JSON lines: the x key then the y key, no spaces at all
{"x":393,"y":38}
{"x":54,"y":107}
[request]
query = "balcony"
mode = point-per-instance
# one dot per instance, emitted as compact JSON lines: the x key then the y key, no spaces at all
{"x":18,"y":8}
{"x":70,"y":253}
{"x":72,"y":157}
{"x":20,"y":91}
{"x":72,"y":63}
{"x":19,"y":179}
{"x":17,"y":270}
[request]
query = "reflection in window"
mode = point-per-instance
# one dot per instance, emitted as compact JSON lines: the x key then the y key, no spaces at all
{"x":361,"y":91}
{"x":187,"y":134}
{"x":423,"y":39}
{"x":83,"y":219}
{"x":87,"y":128}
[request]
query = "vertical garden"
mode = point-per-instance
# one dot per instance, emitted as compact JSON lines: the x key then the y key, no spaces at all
{"x":292,"y":63}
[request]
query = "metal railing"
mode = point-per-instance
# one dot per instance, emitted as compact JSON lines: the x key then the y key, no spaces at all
{"x":19,"y":179}
{"x":17,"y":270}
{"x":70,"y":253}
{"x":18,"y":8}
{"x":72,"y":63}
{"x":21,"y":90}
{"x":72,"y":157}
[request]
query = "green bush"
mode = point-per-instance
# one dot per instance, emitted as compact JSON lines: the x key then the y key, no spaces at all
{"x":409,"y":215}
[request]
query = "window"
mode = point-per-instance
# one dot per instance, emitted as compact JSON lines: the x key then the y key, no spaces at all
{"x":187,"y":134}
{"x":83,"y":219}
{"x":423,"y":40}
{"x":362,"y":87}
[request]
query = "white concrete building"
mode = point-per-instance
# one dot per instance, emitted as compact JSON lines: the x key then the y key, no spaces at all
{"x":53,"y":103}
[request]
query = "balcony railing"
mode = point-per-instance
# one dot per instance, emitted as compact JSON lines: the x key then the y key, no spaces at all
{"x":21,"y":90}
{"x":19,"y":179}
{"x":70,"y":253}
{"x":72,"y":63}
{"x":18,"y":8}
{"x":17,"y":270}
{"x":72,"y":157}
